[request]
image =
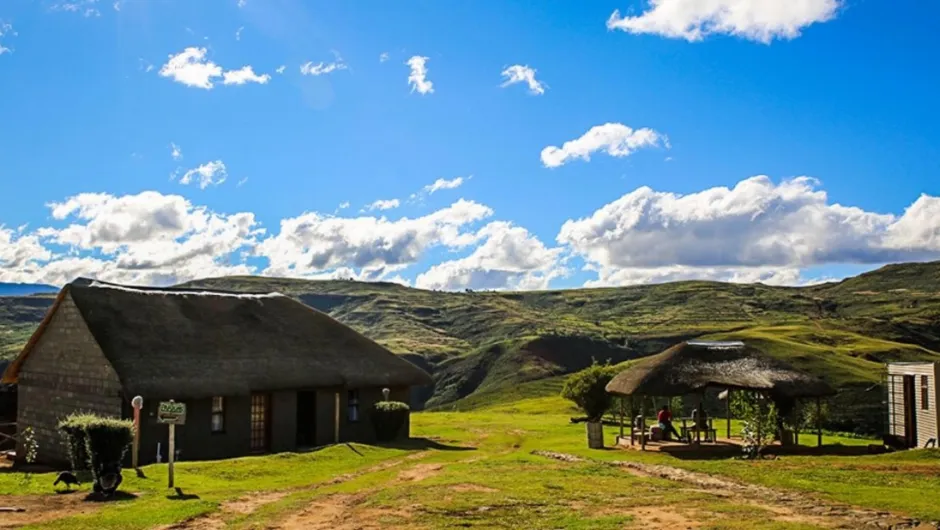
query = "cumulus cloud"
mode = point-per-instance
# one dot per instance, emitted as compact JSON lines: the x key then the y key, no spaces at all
{"x":518,"y":73}
{"x":616,"y":139}
{"x":147,"y":238}
{"x":175,"y":151}
{"x":314,"y":243}
{"x":238,"y":32}
{"x":191,"y":67}
{"x":509,"y":258}
{"x":208,"y":174}
{"x":280,"y":69}
{"x":321,"y":68}
{"x":384,"y":204}
{"x":443,"y":184}
{"x":383,"y":57}
{"x":418,"y":78}
{"x":757,"y":229}
{"x":757,"y":20}
{"x":244,"y":75}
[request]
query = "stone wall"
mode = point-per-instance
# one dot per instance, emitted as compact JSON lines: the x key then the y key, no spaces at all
{"x":66,"y":372}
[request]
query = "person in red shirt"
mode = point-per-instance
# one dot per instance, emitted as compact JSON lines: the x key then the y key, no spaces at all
{"x":664,"y":417}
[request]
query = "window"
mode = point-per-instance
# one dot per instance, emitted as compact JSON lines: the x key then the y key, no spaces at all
{"x":218,"y":414}
{"x":924,"y":393}
{"x":353,"y":404}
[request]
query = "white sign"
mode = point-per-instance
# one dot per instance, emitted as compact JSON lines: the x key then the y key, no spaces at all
{"x":171,"y":412}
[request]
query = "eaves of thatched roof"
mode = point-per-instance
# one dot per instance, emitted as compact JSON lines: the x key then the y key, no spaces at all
{"x":692,"y":366}
{"x":184,"y":343}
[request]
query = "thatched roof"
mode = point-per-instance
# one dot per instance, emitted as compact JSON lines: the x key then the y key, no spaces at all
{"x":183,"y":343}
{"x":692,"y":366}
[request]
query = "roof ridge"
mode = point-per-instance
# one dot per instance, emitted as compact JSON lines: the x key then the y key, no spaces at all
{"x":93,"y":283}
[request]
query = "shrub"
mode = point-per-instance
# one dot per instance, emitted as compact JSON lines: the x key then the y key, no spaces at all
{"x":587,"y":390}
{"x":73,"y":430}
{"x":387,"y":418}
{"x":97,"y":444}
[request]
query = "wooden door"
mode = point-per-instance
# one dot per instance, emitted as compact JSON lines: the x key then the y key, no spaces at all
{"x":260,"y":423}
{"x":910,"y":412}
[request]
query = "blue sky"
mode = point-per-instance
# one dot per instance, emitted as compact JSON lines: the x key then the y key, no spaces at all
{"x":775,"y":143}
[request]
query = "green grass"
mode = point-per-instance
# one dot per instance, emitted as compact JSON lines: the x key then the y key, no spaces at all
{"x":481,"y":473}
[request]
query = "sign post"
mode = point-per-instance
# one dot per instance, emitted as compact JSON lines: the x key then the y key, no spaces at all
{"x":137,"y":403}
{"x":173,"y":414}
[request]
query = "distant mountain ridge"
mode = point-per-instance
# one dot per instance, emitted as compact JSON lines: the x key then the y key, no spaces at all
{"x":25,"y":289}
{"x":479,"y":346}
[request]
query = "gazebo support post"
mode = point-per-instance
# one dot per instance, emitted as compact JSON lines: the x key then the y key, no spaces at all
{"x":621,"y":418}
{"x":643,"y":423}
{"x":728,"y":414}
{"x":818,"y":422}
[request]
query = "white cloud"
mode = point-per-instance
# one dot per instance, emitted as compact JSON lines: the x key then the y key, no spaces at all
{"x":343,"y":205}
{"x":616,"y":139}
{"x":116,"y":5}
{"x":175,"y":151}
{"x":242,"y":3}
{"x":87,"y":8}
{"x":191,"y":68}
{"x":755,"y":230}
{"x":147,"y":238}
{"x":509,"y":258}
{"x":757,"y":20}
{"x":244,"y":75}
{"x":238,"y":33}
{"x":208,"y":174}
{"x":522,"y":74}
{"x":314,"y":243}
{"x":280,"y":69}
{"x":383,"y":57}
{"x":321,"y":68}
{"x":6,"y":30}
{"x":384,"y":204}
{"x":418,"y":78}
{"x":443,"y":184}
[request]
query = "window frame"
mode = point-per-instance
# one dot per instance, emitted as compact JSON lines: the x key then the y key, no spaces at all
{"x":924,"y":392}
{"x":220,"y":413}
{"x":353,"y":414}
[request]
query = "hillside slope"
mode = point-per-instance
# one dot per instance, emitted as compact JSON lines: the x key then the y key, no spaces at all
{"x":480,"y":343}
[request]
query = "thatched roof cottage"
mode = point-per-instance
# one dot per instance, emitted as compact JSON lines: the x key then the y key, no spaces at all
{"x":259,"y":372}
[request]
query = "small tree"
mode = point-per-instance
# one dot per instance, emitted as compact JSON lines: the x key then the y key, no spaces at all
{"x":98,"y":444}
{"x":759,"y":417}
{"x":388,"y":418}
{"x":587,"y":389}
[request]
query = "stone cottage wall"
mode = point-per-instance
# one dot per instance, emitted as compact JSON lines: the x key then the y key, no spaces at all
{"x":66,"y":372}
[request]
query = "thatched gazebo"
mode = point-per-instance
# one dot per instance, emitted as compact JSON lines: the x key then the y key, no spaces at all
{"x":692,"y":367}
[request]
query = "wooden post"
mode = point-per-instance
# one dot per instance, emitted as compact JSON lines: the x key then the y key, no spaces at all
{"x":818,"y":422}
{"x":621,"y":418}
{"x":643,"y":423}
{"x":336,"y":421}
{"x":137,"y":403}
{"x":728,"y":413}
{"x":760,"y":417}
{"x":172,"y":451}
{"x":698,"y":419}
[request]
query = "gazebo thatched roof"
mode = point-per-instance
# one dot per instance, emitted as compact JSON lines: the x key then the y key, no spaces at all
{"x":187,"y":343}
{"x":690,"y":367}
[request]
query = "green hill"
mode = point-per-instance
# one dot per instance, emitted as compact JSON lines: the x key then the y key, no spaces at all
{"x":481,"y":344}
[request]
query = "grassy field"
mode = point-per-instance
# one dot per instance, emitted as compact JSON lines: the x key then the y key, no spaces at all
{"x":477,"y":469}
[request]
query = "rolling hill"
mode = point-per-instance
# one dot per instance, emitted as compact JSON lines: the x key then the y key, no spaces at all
{"x":479,"y":344}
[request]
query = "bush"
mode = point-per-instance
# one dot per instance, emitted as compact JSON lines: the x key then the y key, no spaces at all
{"x":587,"y":390}
{"x":73,"y":430}
{"x":98,"y":444}
{"x":387,"y":418}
